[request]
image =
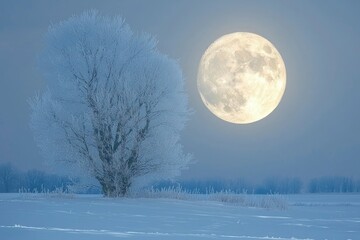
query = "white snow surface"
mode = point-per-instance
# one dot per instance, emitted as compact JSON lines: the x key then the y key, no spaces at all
{"x":94,"y":217}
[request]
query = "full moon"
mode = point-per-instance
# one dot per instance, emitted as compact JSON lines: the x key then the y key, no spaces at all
{"x":241,"y":78}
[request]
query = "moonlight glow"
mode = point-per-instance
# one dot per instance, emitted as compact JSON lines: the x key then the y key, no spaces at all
{"x":241,"y":77}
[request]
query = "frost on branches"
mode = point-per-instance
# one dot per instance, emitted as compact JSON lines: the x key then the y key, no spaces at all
{"x":114,"y":105}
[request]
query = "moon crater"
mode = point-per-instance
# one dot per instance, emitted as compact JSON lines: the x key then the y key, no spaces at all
{"x":241,"y":78}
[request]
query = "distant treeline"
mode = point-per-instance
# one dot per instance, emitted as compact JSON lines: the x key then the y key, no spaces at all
{"x":13,"y":180}
{"x":268,"y":186}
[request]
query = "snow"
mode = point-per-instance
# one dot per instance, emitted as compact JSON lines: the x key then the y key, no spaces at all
{"x":93,"y":217}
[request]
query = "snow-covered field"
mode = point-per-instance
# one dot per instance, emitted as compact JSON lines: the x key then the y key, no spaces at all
{"x":93,"y":217}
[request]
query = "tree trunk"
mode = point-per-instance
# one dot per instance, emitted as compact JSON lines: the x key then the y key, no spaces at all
{"x":112,"y":188}
{"x":125,"y":185}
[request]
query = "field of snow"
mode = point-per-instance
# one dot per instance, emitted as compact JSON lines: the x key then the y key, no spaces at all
{"x":93,"y":217}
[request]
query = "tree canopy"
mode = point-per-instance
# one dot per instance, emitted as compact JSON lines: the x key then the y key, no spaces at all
{"x":114,"y":105}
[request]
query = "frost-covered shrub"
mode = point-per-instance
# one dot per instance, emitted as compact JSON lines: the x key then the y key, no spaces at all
{"x":271,"y":201}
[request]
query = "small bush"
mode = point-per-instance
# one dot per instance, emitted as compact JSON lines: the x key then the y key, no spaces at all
{"x":270,"y":201}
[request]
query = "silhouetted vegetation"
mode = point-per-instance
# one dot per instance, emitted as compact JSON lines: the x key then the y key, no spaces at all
{"x":272,"y":185}
{"x":333,"y":184}
{"x":13,"y":180}
{"x":280,"y":185}
{"x":268,"y":186}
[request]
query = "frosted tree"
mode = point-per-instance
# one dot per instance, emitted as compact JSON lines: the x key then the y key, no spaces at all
{"x":114,"y":105}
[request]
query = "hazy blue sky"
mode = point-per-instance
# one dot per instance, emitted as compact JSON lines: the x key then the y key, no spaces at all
{"x":313,"y":132}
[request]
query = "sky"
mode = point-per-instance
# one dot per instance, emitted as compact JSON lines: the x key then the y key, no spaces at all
{"x":313,"y":132}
